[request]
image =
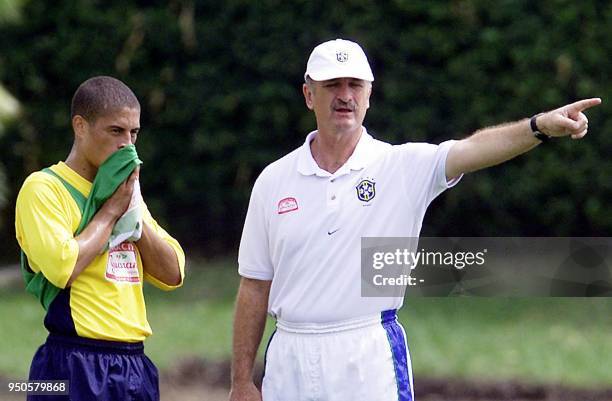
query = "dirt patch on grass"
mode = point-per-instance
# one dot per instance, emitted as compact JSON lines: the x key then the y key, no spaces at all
{"x":211,"y":380}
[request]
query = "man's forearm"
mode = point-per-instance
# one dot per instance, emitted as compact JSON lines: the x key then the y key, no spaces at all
{"x":249,"y":324}
{"x":158,"y":258}
{"x":92,"y":240}
{"x":490,"y":146}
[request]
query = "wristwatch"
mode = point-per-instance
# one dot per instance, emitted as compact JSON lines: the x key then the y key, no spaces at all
{"x":536,"y":131}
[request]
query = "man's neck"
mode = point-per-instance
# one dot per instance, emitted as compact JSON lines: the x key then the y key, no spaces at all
{"x":331,"y":151}
{"x":81,"y":167}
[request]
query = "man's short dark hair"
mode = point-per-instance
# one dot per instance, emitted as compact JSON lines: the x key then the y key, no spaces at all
{"x":101,"y":95}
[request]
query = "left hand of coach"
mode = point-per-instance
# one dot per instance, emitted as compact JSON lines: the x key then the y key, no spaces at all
{"x":567,"y":120}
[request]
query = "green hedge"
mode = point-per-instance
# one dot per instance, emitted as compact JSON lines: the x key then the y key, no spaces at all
{"x":220,"y":88}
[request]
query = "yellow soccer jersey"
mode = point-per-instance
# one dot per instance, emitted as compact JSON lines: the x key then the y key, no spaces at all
{"x":105,"y":301}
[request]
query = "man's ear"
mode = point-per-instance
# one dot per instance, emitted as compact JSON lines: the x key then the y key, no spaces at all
{"x":307,"y":96}
{"x":80,"y":126}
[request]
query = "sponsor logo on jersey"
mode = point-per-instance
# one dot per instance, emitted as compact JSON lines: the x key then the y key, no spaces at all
{"x":341,"y":56}
{"x":287,"y":205}
{"x":366,"y":190}
{"x":122,"y":266}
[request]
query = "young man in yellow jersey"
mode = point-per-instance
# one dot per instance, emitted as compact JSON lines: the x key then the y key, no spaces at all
{"x":91,"y":287}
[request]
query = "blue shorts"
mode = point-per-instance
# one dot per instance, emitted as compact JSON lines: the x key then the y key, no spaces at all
{"x":96,"y":370}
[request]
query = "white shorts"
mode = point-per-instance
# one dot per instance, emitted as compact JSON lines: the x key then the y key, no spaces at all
{"x":364,"y":359}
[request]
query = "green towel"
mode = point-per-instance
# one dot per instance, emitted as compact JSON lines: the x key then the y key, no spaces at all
{"x":112,"y":173}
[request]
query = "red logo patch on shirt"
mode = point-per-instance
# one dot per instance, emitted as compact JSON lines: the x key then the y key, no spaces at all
{"x":287,"y":205}
{"x":122,"y":266}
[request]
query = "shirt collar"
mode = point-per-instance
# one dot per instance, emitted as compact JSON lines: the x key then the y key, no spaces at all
{"x":357,"y":161}
{"x":75,"y":179}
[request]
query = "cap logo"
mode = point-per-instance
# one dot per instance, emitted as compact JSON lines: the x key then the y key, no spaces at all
{"x":341,"y":56}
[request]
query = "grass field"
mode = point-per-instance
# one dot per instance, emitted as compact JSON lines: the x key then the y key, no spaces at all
{"x":537,"y":340}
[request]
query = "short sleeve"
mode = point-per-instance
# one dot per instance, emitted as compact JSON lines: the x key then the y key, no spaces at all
{"x":174,"y":244}
{"x":44,"y":229}
{"x":441,"y":183}
{"x":254,"y":253}
{"x":424,"y":167}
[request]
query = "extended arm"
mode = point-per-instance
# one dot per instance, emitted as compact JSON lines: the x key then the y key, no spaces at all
{"x":249,"y":324}
{"x":494,"y":145}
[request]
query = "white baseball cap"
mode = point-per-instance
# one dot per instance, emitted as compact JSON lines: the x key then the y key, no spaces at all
{"x":338,"y":59}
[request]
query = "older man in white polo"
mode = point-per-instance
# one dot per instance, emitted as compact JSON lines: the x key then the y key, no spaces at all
{"x":300,"y":250}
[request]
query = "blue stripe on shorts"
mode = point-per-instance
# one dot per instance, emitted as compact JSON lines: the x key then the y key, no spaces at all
{"x":397,"y":342}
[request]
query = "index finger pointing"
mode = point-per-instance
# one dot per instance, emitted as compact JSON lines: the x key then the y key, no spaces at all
{"x":585,"y":104}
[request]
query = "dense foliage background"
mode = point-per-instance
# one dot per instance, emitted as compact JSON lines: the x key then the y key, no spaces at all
{"x":220,"y":85}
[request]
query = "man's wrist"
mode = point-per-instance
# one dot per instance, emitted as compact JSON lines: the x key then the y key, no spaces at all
{"x":533,"y":124}
{"x":242,"y":374}
{"x":241,"y":382}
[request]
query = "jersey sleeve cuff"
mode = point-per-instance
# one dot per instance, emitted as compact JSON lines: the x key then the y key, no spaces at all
{"x":255,"y":274}
{"x":65,"y":266}
{"x":161,"y":285}
{"x":444,"y":149}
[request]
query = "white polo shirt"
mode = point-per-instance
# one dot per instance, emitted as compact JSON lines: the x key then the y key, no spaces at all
{"x":304,"y":225}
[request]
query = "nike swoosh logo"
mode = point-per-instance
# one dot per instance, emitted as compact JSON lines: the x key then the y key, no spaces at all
{"x":331,"y":232}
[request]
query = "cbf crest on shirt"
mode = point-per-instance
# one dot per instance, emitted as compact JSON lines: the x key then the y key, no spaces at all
{"x":366,"y":189}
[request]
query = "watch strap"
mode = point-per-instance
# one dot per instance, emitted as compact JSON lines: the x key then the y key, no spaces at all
{"x":536,"y":131}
